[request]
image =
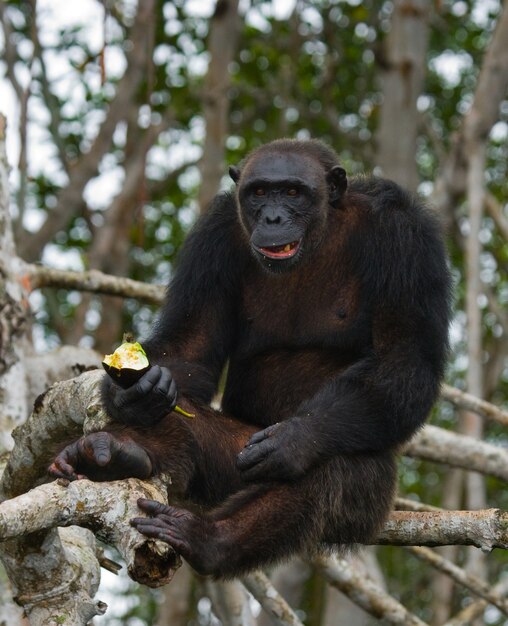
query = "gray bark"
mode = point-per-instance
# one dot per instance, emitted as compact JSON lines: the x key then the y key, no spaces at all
{"x":222,"y":39}
{"x":402,"y":74}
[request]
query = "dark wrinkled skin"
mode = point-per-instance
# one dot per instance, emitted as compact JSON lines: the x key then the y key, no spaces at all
{"x":101,"y":456}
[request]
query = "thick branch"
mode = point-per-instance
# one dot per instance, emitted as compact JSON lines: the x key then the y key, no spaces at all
{"x":104,"y":508}
{"x":443,"y":446}
{"x":65,"y":411}
{"x":58,"y":416}
{"x":55,"y":576}
{"x":94,"y":281}
{"x":90,"y":505}
{"x":486,"y":529}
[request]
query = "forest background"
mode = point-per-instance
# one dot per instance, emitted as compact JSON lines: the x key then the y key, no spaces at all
{"x":122,"y":119}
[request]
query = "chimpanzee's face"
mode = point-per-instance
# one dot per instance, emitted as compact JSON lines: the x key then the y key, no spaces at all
{"x":283,"y":201}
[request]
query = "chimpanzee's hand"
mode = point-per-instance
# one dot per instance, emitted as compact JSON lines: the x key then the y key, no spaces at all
{"x":102,"y":456}
{"x":145,"y":402}
{"x":284,"y":451}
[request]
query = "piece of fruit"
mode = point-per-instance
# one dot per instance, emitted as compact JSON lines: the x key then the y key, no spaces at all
{"x":127,"y":364}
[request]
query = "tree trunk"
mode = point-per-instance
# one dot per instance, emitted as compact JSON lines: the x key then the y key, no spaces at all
{"x":402,"y":75}
{"x":223,"y":36}
{"x":13,"y":318}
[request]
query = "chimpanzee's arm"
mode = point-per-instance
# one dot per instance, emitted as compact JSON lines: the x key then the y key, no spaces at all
{"x":196,"y":326}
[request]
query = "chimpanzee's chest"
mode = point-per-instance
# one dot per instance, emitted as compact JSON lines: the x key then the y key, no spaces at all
{"x":311,"y":307}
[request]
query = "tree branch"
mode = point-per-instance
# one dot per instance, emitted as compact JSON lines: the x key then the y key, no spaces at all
{"x":364,"y":592}
{"x":472,"y":403}
{"x":55,"y":576}
{"x":58,"y":415}
{"x":467,"y":616}
{"x":269,"y":598}
{"x":65,"y":411}
{"x":473,"y":583}
{"x":93,"y":280}
{"x":71,"y":196}
{"x":50,"y":100}
{"x":10,"y":55}
{"x":105,"y":508}
{"x":443,"y":446}
{"x":495,"y":211}
{"x":405,"y":504}
{"x":486,"y":529}
{"x":230,"y":602}
{"x":489,"y":93}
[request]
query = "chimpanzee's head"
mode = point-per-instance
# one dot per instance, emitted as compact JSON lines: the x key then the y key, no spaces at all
{"x":285,"y":191}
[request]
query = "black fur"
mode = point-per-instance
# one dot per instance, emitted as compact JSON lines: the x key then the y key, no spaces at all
{"x":331,"y":303}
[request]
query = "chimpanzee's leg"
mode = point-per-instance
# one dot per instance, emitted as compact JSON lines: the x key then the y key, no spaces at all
{"x":344,"y":501}
{"x":199,"y":453}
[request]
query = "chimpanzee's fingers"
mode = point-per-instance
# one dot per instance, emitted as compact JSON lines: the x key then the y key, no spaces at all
{"x":253,"y":454}
{"x":262,"y":434}
{"x":152,"y":507}
{"x":164,"y":383}
{"x":142,"y":388}
{"x":65,"y":463}
{"x":59,"y":469}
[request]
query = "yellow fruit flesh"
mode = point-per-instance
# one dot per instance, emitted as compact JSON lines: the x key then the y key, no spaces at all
{"x":128,"y":355}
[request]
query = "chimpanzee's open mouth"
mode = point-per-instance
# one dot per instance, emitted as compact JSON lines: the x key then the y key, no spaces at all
{"x":284,"y":251}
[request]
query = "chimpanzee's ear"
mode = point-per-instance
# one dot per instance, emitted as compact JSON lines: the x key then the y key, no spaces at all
{"x":234,"y":172}
{"x":337,"y":184}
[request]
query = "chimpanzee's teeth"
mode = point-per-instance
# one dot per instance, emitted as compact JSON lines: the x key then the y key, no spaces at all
{"x":284,"y":251}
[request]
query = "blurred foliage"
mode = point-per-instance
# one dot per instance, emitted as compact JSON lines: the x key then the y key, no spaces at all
{"x":314,"y":72}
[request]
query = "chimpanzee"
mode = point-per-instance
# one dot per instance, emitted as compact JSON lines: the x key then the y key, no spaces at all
{"x":330,"y":304}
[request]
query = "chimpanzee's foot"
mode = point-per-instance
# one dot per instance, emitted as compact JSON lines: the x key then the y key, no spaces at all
{"x":102,"y":456}
{"x":195,"y":538}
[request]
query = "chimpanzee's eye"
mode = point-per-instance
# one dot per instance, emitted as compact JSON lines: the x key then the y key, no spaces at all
{"x":260,"y":191}
{"x":292,"y":192}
